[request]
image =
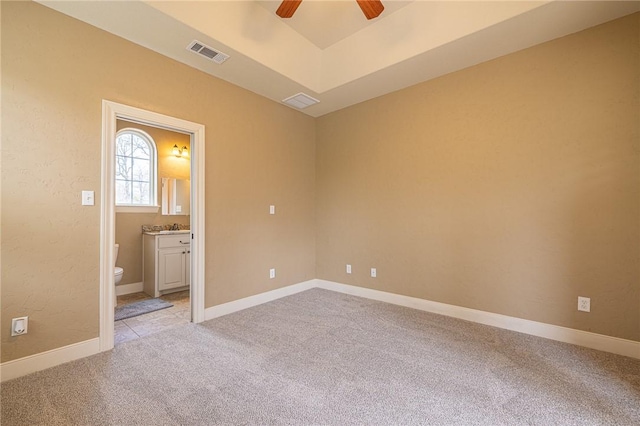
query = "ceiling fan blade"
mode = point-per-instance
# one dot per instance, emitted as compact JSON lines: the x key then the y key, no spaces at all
{"x":288,"y":8}
{"x":371,"y":8}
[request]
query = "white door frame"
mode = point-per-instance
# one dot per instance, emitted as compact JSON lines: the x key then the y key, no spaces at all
{"x":112,"y":111}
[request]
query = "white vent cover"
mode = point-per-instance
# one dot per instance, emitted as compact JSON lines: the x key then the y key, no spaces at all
{"x":208,"y":52}
{"x":300,"y":101}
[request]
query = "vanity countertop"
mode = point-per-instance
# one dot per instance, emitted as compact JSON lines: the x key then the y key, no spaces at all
{"x":168,"y":232}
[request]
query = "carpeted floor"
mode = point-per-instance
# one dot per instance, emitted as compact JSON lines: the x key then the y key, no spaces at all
{"x":321,"y":357}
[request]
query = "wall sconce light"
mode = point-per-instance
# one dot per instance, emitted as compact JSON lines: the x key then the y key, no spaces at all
{"x":184,"y":152}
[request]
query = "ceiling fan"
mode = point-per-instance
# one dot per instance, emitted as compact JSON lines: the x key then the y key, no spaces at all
{"x":370,"y":8}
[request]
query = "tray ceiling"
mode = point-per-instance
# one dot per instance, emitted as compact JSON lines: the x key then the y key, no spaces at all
{"x":329,"y":51}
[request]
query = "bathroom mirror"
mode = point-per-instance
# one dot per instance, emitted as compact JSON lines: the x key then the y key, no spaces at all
{"x":176,"y":196}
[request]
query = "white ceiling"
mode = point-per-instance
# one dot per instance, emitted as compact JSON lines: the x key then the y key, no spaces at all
{"x":329,"y":50}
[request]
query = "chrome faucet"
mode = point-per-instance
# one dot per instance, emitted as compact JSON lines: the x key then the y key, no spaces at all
{"x":175,"y":227}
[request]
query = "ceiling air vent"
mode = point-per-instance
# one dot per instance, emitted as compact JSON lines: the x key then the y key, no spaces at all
{"x":300,"y":101}
{"x":208,"y":52}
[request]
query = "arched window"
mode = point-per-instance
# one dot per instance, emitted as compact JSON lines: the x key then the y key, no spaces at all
{"x":135,"y":168}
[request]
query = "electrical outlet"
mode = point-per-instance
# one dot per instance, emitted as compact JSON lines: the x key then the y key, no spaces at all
{"x":19,"y":326}
{"x":272,"y":209}
{"x":584,"y":304}
{"x":374,"y":273}
{"x":272,"y":273}
{"x":348,"y":269}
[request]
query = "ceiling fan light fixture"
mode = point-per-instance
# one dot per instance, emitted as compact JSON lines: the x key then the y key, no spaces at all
{"x":300,"y":100}
{"x":371,"y":8}
{"x":288,"y":8}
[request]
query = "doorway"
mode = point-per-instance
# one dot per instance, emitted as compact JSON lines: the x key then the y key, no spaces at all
{"x":112,"y":113}
{"x":152,"y":227}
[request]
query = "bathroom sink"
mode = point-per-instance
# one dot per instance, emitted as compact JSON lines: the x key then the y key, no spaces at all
{"x":181,"y":231}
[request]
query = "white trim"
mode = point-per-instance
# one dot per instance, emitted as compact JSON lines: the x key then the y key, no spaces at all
{"x":197,"y":210}
{"x":111,"y":112}
{"x":258,"y":299}
{"x":587,"y":339}
{"x":123,"y":289}
{"x":600,"y":342}
{"x":137,"y":209}
{"x":107,"y":225}
{"x":30,"y":364}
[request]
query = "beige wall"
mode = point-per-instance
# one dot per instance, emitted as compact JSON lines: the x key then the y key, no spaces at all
{"x":55,"y":73}
{"x":129,"y":225}
{"x":510,"y":187}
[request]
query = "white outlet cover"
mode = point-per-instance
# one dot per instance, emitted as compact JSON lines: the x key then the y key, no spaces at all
{"x":374,"y":273}
{"x":22,"y":322}
{"x":272,"y":209}
{"x":272,"y":273}
{"x":348,"y":269}
{"x":584,"y":304}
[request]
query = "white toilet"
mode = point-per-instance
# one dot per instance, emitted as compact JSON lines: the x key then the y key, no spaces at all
{"x":117,"y":274}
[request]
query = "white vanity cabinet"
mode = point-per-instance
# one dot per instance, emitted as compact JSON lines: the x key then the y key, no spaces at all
{"x":167,"y":262}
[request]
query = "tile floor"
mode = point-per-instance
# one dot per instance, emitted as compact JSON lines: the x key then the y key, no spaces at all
{"x":142,"y":325}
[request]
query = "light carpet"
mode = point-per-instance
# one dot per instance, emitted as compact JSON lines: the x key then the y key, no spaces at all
{"x":320,"y":357}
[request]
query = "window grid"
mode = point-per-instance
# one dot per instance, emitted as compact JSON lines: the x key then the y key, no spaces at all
{"x":135,"y":169}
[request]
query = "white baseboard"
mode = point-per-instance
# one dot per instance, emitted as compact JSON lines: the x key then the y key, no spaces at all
{"x":258,"y":299}
{"x":587,"y":339}
{"x":30,"y":364}
{"x":128,"y":288}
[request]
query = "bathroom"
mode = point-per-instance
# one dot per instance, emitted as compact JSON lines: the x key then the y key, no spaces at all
{"x":152,"y":195}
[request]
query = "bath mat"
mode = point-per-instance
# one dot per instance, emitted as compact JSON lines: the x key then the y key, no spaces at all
{"x":140,"y":308}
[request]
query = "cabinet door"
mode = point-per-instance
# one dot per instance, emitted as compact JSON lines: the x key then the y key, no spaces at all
{"x":171,"y":268}
{"x":187,"y":267}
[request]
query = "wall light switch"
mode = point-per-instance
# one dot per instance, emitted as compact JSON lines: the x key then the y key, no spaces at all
{"x":348,"y":269}
{"x":88,"y":198}
{"x":272,"y":209}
